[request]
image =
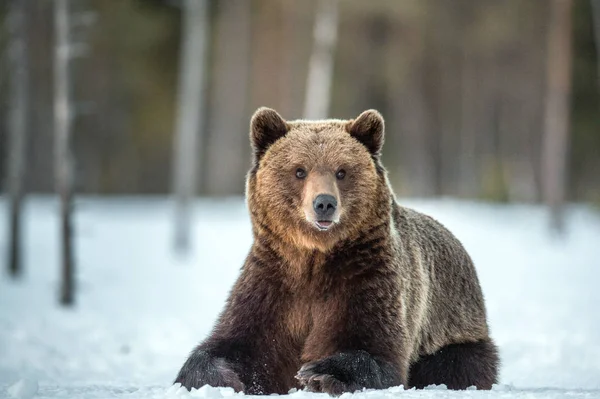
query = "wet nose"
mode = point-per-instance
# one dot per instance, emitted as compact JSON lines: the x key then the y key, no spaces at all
{"x":324,"y":205}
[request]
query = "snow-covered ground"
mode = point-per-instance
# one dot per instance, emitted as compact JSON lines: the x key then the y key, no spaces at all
{"x":140,"y":309}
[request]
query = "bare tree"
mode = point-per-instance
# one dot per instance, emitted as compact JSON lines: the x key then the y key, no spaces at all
{"x":320,"y":69}
{"x":596,"y":22}
{"x":17,"y":127}
{"x":62,"y":152}
{"x":190,"y":116}
{"x":556,"y":123}
{"x":226,"y":137}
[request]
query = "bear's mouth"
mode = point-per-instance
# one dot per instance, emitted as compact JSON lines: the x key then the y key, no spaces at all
{"x":323,"y":224}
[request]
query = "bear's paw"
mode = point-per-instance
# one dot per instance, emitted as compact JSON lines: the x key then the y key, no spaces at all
{"x":203,"y":369}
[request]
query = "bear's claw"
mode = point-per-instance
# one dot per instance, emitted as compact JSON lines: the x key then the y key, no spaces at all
{"x":343,"y":372}
{"x":201,"y":369}
{"x":314,"y":378}
{"x":325,"y":383}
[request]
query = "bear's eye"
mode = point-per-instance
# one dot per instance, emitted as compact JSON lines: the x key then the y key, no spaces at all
{"x":300,"y":173}
{"x":340,"y":174}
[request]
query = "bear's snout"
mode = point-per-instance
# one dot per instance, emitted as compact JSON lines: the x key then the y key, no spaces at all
{"x":324,"y":206}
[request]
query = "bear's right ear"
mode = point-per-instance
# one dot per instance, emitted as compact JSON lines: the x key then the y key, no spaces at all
{"x":266,"y":127}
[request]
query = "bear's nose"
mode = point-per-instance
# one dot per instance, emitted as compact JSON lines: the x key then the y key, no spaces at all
{"x":324,"y":205}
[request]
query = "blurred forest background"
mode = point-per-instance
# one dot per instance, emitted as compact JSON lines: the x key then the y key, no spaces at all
{"x":463,"y":86}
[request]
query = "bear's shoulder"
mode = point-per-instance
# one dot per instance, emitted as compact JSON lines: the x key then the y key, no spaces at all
{"x":428,"y":231}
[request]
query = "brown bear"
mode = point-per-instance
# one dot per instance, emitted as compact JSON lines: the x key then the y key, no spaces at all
{"x":343,"y":289}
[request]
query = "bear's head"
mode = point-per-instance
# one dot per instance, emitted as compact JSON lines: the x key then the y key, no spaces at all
{"x":315,"y":183}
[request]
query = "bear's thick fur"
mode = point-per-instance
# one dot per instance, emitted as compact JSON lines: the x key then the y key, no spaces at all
{"x":343,"y":289}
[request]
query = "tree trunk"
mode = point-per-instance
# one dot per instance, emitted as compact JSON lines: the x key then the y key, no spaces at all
{"x":414,"y":119}
{"x":289,"y":53}
{"x":596,"y":23}
{"x":320,"y":72}
{"x":556,"y":124}
{"x":227,"y":157}
{"x":17,"y":127}
{"x":62,"y":153}
{"x":190,"y":116}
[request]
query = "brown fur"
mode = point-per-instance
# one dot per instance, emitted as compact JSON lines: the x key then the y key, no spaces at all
{"x":385,"y":296}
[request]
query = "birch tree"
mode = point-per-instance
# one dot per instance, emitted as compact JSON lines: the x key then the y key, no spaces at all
{"x":17,"y":127}
{"x":320,"y":68}
{"x":62,"y":153}
{"x":190,"y":116}
{"x":557,"y":106}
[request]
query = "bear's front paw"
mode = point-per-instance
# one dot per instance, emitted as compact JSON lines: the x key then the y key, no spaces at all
{"x":201,"y":369}
{"x":314,"y":381}
{"x":344,"y":372}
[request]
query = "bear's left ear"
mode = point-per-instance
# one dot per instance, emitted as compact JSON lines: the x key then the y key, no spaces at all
{"x":368,"y":128}
{"x":266,"y":127}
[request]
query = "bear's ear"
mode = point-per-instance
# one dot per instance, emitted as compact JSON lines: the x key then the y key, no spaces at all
{"x":368,"y":128}
{"x":266,"y":127}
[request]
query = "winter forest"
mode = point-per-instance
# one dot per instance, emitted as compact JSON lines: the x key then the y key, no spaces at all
{"x":124,"y":149}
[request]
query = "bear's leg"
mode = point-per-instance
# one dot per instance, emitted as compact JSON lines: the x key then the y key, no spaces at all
{"x":246,"y":350}
{"x":355,"y":341}
{"x":458,"y":366}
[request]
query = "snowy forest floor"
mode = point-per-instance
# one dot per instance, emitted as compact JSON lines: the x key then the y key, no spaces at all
{"x":140,"y":309}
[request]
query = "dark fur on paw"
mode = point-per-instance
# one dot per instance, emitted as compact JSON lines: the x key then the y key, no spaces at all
{"x":321,"y":383}
{"x":344,"y":372}
{"x":201,"y":369}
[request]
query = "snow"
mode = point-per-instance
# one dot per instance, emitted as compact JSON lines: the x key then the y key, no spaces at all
{"x":23,"y":389}
{"x":140,"y":309}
